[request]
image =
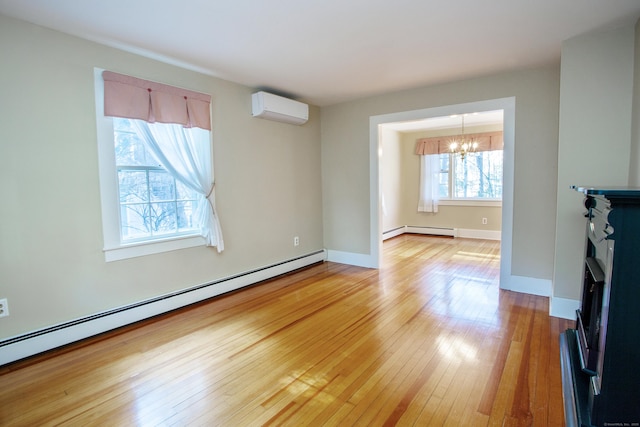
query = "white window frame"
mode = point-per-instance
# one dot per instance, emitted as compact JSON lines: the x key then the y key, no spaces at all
{"x":113,"y":248}
{"x":463,"y":201}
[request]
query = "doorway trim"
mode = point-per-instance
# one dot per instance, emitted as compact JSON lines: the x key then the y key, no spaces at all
{"x":508,"y":105}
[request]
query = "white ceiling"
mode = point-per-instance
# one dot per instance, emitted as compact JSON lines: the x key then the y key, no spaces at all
{"x":479,"y":118}
{"x":329,"y":51}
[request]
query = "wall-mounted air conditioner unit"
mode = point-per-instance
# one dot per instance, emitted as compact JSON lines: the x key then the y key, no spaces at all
{"x":278,"y":108}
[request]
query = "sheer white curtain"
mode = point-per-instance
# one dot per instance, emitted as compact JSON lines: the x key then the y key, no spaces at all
{"x":429,"y":174}
{"x":186,"y":154}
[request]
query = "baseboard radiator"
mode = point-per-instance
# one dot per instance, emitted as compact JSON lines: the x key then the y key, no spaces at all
{"x":35,"y":342}
{"x":443,"y":231}
{"x":433,"y":231}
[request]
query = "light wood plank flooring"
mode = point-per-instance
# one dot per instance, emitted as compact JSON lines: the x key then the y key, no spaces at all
{"x":429,"y":339}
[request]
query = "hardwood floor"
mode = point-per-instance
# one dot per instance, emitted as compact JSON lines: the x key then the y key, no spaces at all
{"x":429,"y":339}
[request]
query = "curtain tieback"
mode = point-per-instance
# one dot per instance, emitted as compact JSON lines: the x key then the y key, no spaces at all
{"x":210,"y":191}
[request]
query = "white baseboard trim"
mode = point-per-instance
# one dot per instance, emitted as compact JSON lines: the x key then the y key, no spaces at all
{"x":527,"y":285}
{"x":434,"y":231}
{"x":480,"y":234}
{"x":22,"y":346}
{"x":468,"y":233}
{"x":395,"y":232}
{"x":351,"y":258}
{"x":564,"y":308}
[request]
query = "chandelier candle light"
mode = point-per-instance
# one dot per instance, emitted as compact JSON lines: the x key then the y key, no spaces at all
{"x":461,"y":145}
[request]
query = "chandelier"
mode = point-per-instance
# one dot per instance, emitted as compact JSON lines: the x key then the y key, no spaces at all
{"x":462,"y":145}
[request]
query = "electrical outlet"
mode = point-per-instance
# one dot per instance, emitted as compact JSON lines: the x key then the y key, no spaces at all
{"x":4,"y":307}
{"x":484,"y":221}
{"x":296,"y":241}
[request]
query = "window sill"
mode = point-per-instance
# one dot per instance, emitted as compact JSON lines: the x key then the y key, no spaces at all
{"x":470,"y":202}
{"x":133,"y":250}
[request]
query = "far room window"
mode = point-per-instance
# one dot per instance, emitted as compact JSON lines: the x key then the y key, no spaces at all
{"x":156,"y":167}
{"x":476,"y":176}
{"x":463,"y":168}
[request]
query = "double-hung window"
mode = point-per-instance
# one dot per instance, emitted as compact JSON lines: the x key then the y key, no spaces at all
{"x":156,"y":167}
{"x":153,"y":203}
{"x":452,"y":178}
{"x":476,"y":176}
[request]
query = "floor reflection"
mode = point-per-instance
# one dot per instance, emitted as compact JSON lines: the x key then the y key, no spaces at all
{"x":456,"y":349}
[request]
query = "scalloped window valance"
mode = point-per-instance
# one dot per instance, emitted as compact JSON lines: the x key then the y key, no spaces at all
{"x":487,"y":141}
{"x":134,"y":98}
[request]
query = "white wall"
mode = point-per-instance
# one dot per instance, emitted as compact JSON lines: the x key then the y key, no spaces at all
{"x":393,"y":190}
{"x":634,"y":158}
{"x":594,"y":138}
{"x":52,"y":267}
{"x":274,"y":181}
{"x":462,"y":217}
{"x":346,"y":160}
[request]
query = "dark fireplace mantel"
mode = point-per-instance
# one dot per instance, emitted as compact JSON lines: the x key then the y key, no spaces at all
{"x":601,"y":357}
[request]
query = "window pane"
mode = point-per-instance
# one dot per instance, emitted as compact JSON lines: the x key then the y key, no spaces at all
{"x":186,"y":221}
{"x":443,"y":177}
{"x":478,"y":175}
{"x":135,"y":221}
{"x":122,"y":125}
{"x":132,"y":186}
{"x":494,"y":170}
{"x":152,"y":203}
{"x":463,"y":180}
{"x":163,"y":218}
{"x":130,"y":151}
{"x":162,"y":186}
{"x":185,"y":193}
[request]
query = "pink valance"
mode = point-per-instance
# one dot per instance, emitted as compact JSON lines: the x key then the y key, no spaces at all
{"x":487,"y":141}
{"x":133,"y":98}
